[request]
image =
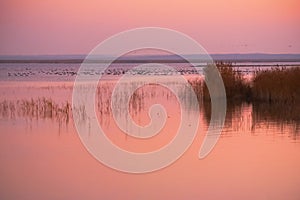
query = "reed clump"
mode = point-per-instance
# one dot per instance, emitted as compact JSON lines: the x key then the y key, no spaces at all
{"x":236,"y":87}
{"x":36,"y":108}
{"x":197,"y":85}
{"x":275,"y":85}
{"x":280,"y":84}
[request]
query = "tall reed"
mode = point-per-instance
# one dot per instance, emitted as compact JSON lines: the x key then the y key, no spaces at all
{"x":236,"y":87}
{"x":280,"y":84}
{"x":36,"y":108}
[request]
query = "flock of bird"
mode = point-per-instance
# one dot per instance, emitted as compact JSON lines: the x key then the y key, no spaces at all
{"x":109,"y":71}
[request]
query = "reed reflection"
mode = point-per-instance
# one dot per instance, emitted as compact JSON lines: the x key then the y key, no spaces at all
{"x":241,"y":118}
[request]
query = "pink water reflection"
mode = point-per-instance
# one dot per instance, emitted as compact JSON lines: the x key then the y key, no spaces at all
{"x":257,"y":157}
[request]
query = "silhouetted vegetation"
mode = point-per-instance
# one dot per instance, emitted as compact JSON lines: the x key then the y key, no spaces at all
{"x":36,"y":108}
{"x":274,"y":93}
{"x":277,"y":85}
{"x":235,"y":86}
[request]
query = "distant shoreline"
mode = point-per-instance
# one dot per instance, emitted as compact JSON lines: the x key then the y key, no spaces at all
{"x":147,"y":61}
{"x":230,"y":58}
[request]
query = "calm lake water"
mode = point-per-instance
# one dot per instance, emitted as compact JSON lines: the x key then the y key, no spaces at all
{"x":42,"y":156}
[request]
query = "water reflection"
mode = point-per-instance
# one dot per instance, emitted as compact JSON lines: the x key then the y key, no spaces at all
{"x":241,"y":118}
{"x":277,"y":118}
{"x":254,"y":159}
{"x":259,"y":119}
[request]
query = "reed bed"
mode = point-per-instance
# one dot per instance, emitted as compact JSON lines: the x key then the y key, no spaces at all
{"x":41,"y":108}
{"x":235,"y":85}
{"x":280,"y":84}
{"x":276,"y":85}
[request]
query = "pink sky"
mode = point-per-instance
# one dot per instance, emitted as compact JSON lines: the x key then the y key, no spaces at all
{"x":220,"y":26}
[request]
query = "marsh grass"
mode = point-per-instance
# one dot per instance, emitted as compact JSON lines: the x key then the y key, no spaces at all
{"x":235,"y":85}
{"x":274,"y":93}
{"x":41,"y":108}
{"x":276,"y":85}
{"x":197,"y":85}
{"x":279,"y":84}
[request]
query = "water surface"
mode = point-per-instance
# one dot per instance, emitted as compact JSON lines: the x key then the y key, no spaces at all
{"x":42,"y":157}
